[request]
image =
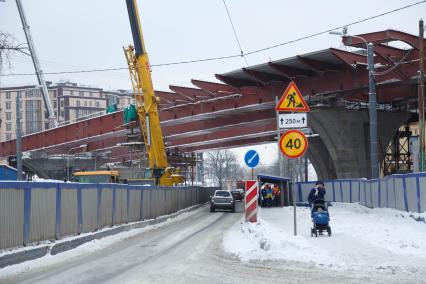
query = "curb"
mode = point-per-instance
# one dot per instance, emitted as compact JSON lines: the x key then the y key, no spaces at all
{"x":31,"y":254}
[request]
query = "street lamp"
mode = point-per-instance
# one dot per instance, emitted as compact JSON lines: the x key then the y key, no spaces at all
{"x":372,"y":103}
{"x":68,"y":158}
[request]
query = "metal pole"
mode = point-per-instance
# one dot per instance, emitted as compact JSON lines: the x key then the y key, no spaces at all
{"x":18,"y":137}
{"x":373,"y":113}
{"x":280,"y":157}
{"x":68,"y":165}
{"x":305,"y":157}
{"x":421,"y":94}
{"x":40,"y":77}
{"x":131,"y":162}
{"x":294,"y":207}
{"x":95,"y":161}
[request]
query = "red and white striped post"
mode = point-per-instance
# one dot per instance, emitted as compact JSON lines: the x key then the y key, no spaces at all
{"x":252,"y":192}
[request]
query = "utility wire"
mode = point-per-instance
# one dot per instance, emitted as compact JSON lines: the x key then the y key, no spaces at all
{"x":235,"y":32}
{"x":230,"y":56}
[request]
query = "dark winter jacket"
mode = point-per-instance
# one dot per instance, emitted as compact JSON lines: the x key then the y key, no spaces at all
{"x":316,"y":193}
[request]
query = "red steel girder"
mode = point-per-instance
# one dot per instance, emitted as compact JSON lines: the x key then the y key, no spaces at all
{"x":234,"y":82}
{"x":194,"y":94}
{"x":350,"y":58}
{"x":263,"y":77}
{"x":236,"y":120}
{"x":172,"y":98}
{"x":291,"y":72}
{"x":318,"y":66}
{"x":215,"y":88}
{"x":383,"y":37}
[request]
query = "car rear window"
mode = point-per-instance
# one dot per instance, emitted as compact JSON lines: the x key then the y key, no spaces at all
{"x":222,"y":193}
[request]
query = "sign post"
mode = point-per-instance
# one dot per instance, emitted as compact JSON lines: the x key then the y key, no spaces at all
{"x":250,"y":202}
{"x":293,"y":143}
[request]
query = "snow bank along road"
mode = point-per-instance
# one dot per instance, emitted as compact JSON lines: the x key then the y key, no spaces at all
{"x":216,"y":248}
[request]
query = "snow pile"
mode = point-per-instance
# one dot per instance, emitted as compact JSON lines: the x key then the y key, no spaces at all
{"x":362,"y":239}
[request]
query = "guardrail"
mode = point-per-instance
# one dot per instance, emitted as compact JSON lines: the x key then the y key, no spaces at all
{"x":405,"y":192}
{"x":31,"y":212}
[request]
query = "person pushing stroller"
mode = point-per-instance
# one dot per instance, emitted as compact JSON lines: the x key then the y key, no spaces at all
{"x":319,"y":211}
{"x":317,"y":193}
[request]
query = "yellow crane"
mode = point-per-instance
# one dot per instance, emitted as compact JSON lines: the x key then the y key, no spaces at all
{"x":147,"y":104}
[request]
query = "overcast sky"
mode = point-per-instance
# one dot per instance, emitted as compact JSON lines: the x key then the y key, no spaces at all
{"x":82,"y":34}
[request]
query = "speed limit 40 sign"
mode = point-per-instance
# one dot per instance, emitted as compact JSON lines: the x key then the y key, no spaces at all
{"x":293,"y":143}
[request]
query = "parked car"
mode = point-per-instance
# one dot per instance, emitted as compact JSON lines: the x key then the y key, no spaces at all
{"x":237,"y":193}
{"x":222,"y":199}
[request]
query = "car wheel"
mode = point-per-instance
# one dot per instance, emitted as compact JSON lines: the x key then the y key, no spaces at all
{"x":212,"y":209}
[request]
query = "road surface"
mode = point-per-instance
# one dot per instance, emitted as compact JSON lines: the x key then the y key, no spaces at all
{"x":189,"y":250}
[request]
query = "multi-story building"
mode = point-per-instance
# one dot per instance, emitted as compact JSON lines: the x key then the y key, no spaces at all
{"x":70,"y":102}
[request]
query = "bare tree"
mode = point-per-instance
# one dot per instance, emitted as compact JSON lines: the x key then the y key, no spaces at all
{"x":223,"y":165}
{"x":8,"y":47}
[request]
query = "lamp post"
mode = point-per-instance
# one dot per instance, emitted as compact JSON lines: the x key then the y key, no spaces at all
{"x":68,"y":159}
{"x":372,"y":106}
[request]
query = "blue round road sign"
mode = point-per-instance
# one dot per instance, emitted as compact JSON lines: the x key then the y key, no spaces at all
{"x":251,"y":158}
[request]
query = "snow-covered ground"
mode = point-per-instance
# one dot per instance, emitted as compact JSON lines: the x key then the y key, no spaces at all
{"x":362,"y":239}
{"x":87,"y":248}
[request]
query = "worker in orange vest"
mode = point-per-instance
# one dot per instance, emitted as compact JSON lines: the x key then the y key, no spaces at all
{"x":277,"y":195}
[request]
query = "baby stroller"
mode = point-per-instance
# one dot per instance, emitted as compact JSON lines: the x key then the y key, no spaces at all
{"x":320,"y":218}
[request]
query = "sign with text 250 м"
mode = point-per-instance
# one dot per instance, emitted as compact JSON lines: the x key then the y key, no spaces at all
{"x":293,"y":143}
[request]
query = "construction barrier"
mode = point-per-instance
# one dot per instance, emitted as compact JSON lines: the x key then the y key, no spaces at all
{"x":32,"y":212}
{"x":405,"y":192}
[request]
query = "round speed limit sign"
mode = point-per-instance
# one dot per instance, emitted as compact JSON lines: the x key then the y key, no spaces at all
{"x":293,"y":143}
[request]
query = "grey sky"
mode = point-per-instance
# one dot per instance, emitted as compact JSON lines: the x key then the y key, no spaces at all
{"x":82,"y":34}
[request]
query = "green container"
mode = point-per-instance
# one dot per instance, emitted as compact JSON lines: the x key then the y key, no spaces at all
{"x":130,"y":113}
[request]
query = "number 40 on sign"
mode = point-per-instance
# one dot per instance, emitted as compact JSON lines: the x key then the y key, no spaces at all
{"x":293,"y":144}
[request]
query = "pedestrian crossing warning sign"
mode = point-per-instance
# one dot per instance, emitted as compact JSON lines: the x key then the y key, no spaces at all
{"x":292,"y":100}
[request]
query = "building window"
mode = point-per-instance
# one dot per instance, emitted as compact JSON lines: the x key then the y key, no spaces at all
{"x":8,"y":105}
{"x":72,"y":93}
{"x":8,"y":95}
{"x":85,"y":103}
{"x":33,"y":116}
{"x":62,"y":103}
{"x":54,"y":94}
{"x":97,"y":104}
{"x":8,"y":126}
{"x":90,"y":103}
{"x":55,"y":105}
{"x":8,"y":136}
{"x":62,"y":113}
{"x":81,"y":94}
{"x":8,"y":116}
{"x":78,"y":103}
{"x":91,"y":94}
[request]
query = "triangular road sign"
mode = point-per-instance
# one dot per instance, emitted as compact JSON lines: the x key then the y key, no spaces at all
{"x":292,"y":100}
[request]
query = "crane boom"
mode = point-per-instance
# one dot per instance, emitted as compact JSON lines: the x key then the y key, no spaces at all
{"x":40,"y":77}
{"x":147,"y":102}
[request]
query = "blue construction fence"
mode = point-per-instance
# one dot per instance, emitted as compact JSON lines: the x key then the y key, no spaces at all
{"x":32,"y":212}
{"x":405,"y":192}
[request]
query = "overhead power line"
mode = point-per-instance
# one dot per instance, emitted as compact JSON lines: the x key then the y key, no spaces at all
{"x":233,"y":55}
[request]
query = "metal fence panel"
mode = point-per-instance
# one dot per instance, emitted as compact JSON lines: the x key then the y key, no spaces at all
{"x":135,"y":205}
{"x":355,"y":186}
{"x":69,"y":213}
{"x":147,"y":204}
{"x":120,"y":205}
{"x":368,"y":201}
{"x":338,"y":191}
{"x":374,"y":186}
{"x":391,"y":201}
{"x":89,"y":209}
{"x":43,"y":213}
{"x":169,"y":201}
{"x":105,"y":207}
{"x":11,"y":217}
{"x":411,"y":188}
{"x":383,"y":193}
{"x":422,"y":193}
{"x":346,"y":190}
{"x":399,"y":193}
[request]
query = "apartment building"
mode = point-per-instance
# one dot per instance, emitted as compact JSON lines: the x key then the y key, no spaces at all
{"x":70,"y":102}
